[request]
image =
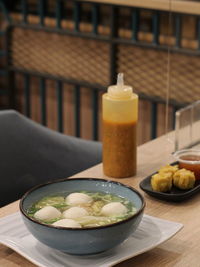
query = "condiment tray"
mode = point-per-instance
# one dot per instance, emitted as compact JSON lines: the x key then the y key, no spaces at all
{"x":151,"y":232}
{"x":175,"y":194}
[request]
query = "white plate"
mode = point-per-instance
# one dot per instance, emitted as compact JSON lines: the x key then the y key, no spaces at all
{"x":151,"y":232}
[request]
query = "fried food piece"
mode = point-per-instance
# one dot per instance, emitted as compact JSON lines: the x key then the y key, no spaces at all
{"x":169,"y":169}
{"x":161,"y":182}
{"x":184,"y":179}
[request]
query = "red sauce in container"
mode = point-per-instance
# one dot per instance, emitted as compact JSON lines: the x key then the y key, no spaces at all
{"x":189,"y":159}
{"x":191,"y":162}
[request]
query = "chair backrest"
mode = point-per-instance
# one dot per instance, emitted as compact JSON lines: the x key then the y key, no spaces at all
{"x":32,"y":154}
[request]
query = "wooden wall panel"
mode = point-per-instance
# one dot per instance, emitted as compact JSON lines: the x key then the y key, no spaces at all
{"x":144,"y":121}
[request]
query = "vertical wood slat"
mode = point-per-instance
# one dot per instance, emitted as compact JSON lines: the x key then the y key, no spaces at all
{"x":113,"y":46}
{"x":43,"y":100}
{"x":2,"y":53}
{"x":95,"y":18}
{"x":154,"y":107}
{"x":24,"y":8}
{"x":11,"y":80}
{"x":77,"y":109}
{"x":76,"y":16}
{"x":59,"y":91}
{"x":178,"y":30}
{"x":27,"y":103}
{"x":198,"y":32}
{"x":59,"y":12}
{"x":5,"y":12}
{"x":135,"y":23}
{"x":155,"y":28}
{"x":41,"y":11}
{"x":95,"y":108}
{"x":2,"y":72}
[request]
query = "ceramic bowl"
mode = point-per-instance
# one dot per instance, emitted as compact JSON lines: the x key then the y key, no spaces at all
{"x":85,"y":240}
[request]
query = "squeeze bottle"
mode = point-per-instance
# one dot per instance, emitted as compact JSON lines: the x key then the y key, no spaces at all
{"x":120,"y":115}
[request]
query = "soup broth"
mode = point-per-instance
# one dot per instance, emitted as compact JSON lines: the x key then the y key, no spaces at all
{"x":88,"y":209}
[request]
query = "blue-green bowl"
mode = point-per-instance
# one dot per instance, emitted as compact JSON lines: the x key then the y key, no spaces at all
{"x":84,"y":240}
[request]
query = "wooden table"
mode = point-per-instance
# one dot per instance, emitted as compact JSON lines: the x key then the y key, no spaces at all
{"x":182,"y":250}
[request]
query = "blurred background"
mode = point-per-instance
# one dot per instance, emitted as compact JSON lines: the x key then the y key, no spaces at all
{"x":57,"y":57}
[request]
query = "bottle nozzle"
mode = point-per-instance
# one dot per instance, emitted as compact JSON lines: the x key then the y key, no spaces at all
{"x":120,"y":91}
{"x":120,"y":79}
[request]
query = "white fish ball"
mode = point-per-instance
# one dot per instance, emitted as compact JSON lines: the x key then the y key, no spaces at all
{"x":67,"y":223}
{"x":47,"y":213}
{"x":74,"y":212}
{"x":78,"y":198}
{"x":113,"y":208}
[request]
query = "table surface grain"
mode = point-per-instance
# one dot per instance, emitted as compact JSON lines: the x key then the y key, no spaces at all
{"x":182,"y":250}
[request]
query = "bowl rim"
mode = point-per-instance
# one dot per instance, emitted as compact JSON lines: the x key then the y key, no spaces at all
{"x":140,"y":210}
{"x":182,"y":152}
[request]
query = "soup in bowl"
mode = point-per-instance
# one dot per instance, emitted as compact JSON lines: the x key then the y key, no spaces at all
{"x":83,"y":215}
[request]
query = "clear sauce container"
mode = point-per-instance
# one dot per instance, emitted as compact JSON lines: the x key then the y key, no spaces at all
{"x":190,"y":160}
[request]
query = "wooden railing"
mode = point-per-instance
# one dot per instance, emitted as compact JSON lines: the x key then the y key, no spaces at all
{"x":36,"y":37}
{"x":179,"y":6}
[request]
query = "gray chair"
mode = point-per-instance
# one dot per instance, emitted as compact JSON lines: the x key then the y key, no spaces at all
{"x":31,"y":154}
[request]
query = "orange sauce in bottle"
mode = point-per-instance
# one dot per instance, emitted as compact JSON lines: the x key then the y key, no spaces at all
{"x":120,"y":113}
{"x":119,"y":149}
